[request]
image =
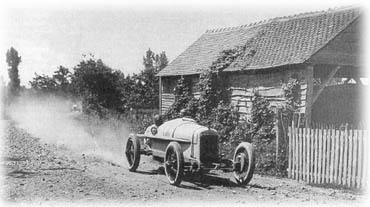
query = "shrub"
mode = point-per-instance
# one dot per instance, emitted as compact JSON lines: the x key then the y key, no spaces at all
{"x":263,"y":134}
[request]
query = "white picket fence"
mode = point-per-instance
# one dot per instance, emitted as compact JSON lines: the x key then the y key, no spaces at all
{"x":329,"y":156}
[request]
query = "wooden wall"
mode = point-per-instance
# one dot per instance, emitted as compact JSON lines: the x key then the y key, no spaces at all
{"x":268,"y":84}
{"x":244,"y":84}
{"x":168,"y":86}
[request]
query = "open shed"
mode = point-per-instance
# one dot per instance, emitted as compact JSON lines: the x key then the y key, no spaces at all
{"x":320,"y":49}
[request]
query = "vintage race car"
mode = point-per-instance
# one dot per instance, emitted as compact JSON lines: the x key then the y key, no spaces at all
{"x":185,"y":146}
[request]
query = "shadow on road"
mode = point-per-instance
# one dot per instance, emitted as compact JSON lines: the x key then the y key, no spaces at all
{"x":207,"y":181}
{"x":151,"y":172}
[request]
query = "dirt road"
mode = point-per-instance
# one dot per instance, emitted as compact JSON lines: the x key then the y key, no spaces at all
{"x":44,"y":173}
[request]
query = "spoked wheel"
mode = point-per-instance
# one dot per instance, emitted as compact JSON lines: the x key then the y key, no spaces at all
{"x":244,"y":163}
{"x":174,"y":163}
{"x":133,"y":153}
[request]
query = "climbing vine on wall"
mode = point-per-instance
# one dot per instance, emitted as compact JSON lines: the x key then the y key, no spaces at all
{"x":213,"y":84}
{"x":213,"y":107}
{"x":263,"y":134}
{"x":183,"y":95}
{"x":292,"y":93}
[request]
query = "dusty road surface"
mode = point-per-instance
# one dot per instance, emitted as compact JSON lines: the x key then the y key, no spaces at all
{"x":41,"y":173}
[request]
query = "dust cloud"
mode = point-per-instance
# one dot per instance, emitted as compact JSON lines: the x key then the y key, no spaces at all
{"x":52,"y":120}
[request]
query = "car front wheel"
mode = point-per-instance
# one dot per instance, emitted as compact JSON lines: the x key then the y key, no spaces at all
{"x":133,"y":153}
{"x":244,"y":163}
{"x":174,"y":163}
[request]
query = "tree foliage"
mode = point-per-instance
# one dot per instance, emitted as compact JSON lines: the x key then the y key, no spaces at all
{"x":59,"y":83}
{"x":43,"y":83}
{"x":183,"y":96}
{"x":103,"y":89}
{"x":13,"y":60}
{"x":155,"y":62}
{"x":145,"y":86}
{"x":98,"y":85}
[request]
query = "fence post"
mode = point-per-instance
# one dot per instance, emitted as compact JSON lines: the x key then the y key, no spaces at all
{"x":300,"y":153}
{"x":290,"y":141}
{"x":365,"y":172}
{"x":320,"y":156}
{"x":296,"y":157}
{"x":341,"y":149}
{"x":308,"y":154}
{"x":336,"y":156}
{"x":345,"y":159}
{"x":360,"y":157}
{"x":316,"y":155}
{"x":349,"y":159}
{"x":355,"y":161}
{"x":304,"y":154}
{"x":277,"y":142}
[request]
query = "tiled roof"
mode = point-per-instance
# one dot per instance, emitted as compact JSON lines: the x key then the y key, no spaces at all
{"x":275,"y":42}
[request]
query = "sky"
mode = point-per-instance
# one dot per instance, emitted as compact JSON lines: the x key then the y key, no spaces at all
{"x":48,"y":35}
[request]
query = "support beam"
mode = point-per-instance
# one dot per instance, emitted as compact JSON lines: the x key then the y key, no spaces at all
{"x":325,"y":83}
{"x":358,"y":81}
{"x":309,"y":95}
{"x":347,"y":80}
{"x":160,"y":95}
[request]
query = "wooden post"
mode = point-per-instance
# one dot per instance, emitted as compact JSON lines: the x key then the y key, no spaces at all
{"x":341,"y":154}
{"x":309,"y":95}
{"x":325,"y":82}
{"x":308,"y":154}
{"x":345,"y":159}
{"x":336,"y":156}
{"x":365,"y":162}
{"x":350,"y":149}
{"x":296,"y":155}
{"x":290,"y":149}
{"x":332,"y":154}
{"x":324,"y":155}
{"x":304,"y":157}
{"x":360,"y":158}
{"x":321,"y":157}
{"x":277,"y":142}
{"x":355,"y":160}
{"x":160,"y":95}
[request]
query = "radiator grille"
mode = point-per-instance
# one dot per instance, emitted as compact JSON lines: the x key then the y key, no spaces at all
{"x":208,"y":149}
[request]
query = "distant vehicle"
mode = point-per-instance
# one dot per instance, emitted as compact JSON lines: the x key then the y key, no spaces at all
{"x":185,"y":146}
{"x":76,"y":108}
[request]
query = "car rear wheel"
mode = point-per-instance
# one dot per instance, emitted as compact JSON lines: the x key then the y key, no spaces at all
{"x":133,"y":153}
{"x":244,"y":163}
{"x":174,"y":163}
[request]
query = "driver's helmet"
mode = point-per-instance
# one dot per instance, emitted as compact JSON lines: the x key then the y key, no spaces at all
{"x":183,"y":112}
{"x":158,"y":120}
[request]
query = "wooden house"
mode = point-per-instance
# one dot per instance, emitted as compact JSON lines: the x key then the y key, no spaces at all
{"x":321,"y":49}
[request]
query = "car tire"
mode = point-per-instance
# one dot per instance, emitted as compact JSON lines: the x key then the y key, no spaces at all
{"x":174,"y":163}
{"x":133,"y":153}
{"x":244,"y":157}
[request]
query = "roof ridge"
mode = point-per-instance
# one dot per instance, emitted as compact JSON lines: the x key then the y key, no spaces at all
{"x":282,"y":18}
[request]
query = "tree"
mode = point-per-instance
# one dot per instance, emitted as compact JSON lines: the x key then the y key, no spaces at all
{"x":148,"y":60}
{"x":160,"y":62}
{"x":62,"y":78}
{"x":59,"y":83}
{"x":13,"y":61}
{"x":98,"y":86}
{"x":43,"y":83}
{"x":144,"y":86}
{"x":154,"y":62}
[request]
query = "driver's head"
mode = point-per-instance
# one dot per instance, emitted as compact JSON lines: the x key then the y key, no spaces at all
{"x":183,"y":112}
{"x":158,"y":120}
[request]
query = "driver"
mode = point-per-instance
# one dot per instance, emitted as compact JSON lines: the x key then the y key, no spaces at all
{"x":153,"y":129}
